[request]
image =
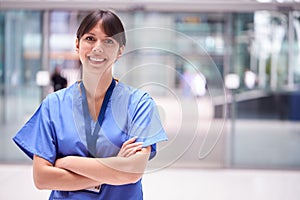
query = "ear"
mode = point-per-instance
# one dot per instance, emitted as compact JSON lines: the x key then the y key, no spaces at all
{"x":77,"y":44}
{"x":121,"y":50}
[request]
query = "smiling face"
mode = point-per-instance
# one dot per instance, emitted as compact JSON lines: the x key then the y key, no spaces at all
{"x":97,"y":51}
{"x":100,"y":41}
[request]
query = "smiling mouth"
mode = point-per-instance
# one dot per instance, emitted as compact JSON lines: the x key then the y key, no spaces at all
{"x":97,"y":59}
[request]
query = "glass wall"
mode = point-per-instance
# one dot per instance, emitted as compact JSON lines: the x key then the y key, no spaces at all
{"x":266,"y":58}
{"x":295,"y":50}
{"x":21,"y":43}
{"x":181,"y":59}
{"x":2,"y":68}
{"x":63,"y":26}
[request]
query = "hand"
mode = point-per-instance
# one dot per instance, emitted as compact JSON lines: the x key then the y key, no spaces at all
{"x":130,"y":147}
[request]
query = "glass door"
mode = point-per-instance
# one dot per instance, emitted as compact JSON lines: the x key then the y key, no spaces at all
{"x":1,"y":68}
{"x":20,"y":38}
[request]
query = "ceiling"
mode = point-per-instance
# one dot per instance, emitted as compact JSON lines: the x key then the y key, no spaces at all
{"x":154,"y":5}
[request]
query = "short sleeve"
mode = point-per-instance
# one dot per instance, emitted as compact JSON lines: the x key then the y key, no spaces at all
{"x":145,"y":123}
{"x":36,"y":136}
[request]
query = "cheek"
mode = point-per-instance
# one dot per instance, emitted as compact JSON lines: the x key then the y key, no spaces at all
{"x":114,"y":53}
{"x":83,"y":46}
{"x":83,"y":50}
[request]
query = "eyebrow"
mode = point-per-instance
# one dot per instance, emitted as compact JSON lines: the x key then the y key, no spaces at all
{"x":95,"y":34}
{"x":90,"y":33}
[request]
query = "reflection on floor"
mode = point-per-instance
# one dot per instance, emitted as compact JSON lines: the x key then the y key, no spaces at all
{"x":178,"y":184}
{"x":199,"y":161}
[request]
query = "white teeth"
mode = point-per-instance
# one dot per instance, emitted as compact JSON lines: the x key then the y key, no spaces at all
{"x":97,"y":59}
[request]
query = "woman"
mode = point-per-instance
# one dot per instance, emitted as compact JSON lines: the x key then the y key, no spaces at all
{"x":93,"y":139}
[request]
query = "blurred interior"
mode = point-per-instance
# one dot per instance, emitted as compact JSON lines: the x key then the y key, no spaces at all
{"x":225,"y":75}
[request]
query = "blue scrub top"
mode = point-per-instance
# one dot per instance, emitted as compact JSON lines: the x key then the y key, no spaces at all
{"x":57,"y":129}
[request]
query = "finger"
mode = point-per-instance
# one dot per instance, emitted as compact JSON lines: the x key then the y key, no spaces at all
{"x":132,"y":151}
{"x":129,"y":141}
{"x":133,"y":145}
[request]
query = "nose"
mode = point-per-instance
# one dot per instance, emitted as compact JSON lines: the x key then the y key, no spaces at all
{"x":98,"y":48}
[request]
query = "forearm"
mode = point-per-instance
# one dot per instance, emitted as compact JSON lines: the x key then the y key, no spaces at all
{"x":112,"y":170}
{"x":47,"y":176}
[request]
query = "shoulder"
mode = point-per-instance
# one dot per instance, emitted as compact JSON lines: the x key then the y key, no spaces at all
{"x":60,"y":96}
{"x":134,"y":101}
{"x":131,"y":94}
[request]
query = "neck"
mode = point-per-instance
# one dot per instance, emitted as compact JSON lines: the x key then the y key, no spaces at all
{"x":96,"y":85}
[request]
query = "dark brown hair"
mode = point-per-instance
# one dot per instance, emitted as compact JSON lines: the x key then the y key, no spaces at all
{"x":111,"y":24}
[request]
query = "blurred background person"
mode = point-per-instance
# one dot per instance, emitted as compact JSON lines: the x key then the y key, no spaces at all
{"x":57,"y":80}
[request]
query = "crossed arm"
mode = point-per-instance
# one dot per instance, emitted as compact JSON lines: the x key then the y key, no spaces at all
{"x":76,"y":173}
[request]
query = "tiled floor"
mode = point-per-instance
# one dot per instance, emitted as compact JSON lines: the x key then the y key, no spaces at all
{"x":188,"y":175}
{"x":178,"y":184}
{"x":197,"y":184}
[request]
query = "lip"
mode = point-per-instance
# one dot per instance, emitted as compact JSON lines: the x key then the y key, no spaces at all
{"x":96,"y":59}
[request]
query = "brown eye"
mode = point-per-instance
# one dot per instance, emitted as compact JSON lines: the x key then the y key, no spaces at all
{"x":108,"y":41}
{"x":90,"y":38}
